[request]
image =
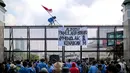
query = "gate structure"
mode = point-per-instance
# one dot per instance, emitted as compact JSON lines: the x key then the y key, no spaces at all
{"x":27,"y":42}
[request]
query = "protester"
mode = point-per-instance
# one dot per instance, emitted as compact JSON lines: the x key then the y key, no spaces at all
{"x":100,"y":69}
{"x":43,"y":70}
{"x":42,"y":64}
{"x":12,"y":69}
{"x":31,"y":69}
{"x":74,"y":69}
{"x":50,"y":67}
{"x":112,"y":69}
{"x":52,"y":20}
{"x":36,"y":67}
{"x":103,"y":70}
{"x":84,"y":67}
{"x":79,"y":67}
{"x":24,"y":69}
{"x":65,"y":70}
{"x":18,"y":65}
{"x":120,"y":62}
{"x":72,"y":66}
{"x":93,"y":68}
{"x":57,"y":67}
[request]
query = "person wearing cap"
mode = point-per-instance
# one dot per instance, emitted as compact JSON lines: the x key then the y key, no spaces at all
{"x":12,"y":69}
{"x":43,"y":70}
{"x":65,"y":70}
{"x":57,"y":67}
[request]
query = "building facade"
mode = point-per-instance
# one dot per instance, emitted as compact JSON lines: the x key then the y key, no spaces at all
{"x":126,"y":23}
{"x":2,"y":19}
{"x":19,"y":44}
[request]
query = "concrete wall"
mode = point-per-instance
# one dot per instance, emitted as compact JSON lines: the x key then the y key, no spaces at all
{"x":127,"y":40}
{"x":126,"y":23}
{"x":1,"y":42}
{"x":2,"y":19}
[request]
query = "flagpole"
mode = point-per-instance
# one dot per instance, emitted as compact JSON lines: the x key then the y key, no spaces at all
{"x":51,"y":15}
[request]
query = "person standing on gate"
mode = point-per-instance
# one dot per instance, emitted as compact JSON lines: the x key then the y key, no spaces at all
{"x":52,"y":20}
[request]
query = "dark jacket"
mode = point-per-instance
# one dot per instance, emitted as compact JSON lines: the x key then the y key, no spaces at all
{"x":12,"y":71}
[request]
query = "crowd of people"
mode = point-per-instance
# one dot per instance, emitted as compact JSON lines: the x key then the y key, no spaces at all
{"x":43,"y":66}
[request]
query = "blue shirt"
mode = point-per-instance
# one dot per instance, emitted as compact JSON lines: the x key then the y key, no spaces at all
{"x":80,"y":69}
{"x":8,"y":66}
{"x":93,"y":69}
{"x":103,"y":68}
{"x":68,"y":65}
{"x":18,"y":67}
{"x":51,"y":20}
{"x":42,"y":65}
{"x":50,"y":69}
{"x":23,"y":70}
{"x":31,"y":70}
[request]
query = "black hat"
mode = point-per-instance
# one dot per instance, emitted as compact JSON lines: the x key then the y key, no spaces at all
{"x":65,"y":70}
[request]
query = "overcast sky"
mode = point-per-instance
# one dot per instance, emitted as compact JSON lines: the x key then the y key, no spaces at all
{"x":68,"y":12}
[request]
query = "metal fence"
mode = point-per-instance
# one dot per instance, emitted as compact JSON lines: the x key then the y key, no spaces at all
{"x":44,"y":40}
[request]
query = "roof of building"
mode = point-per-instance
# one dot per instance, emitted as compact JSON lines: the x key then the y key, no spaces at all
{"x":2,"y":3}
{"x":126,"y":2}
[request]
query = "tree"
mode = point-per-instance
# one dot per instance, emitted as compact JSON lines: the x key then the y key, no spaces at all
{"x":34,"y":57}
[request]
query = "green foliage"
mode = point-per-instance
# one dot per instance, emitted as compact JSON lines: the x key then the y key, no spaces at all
{"x":19,"y":55}
{"x":34,"y":57}
{"x":23,"y":55}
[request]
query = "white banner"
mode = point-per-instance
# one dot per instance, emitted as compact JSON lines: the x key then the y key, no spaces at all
{"x":69,"y":36}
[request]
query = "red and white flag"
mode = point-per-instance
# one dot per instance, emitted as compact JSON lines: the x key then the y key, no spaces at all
{"x":47,"y":9}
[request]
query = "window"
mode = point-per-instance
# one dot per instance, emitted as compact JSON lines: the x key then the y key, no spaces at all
{"x":20,"y":45}
{"x":103,"y":31}
{"x":36,"y":33}
{"x":37,"y":45}
{"x":6,"y":44}
{"x":20,"y":33}
{"x":52,"y":33}
{"x":92,"y":32}
{"x":6,"y":33}
{"x":53,"y":45}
